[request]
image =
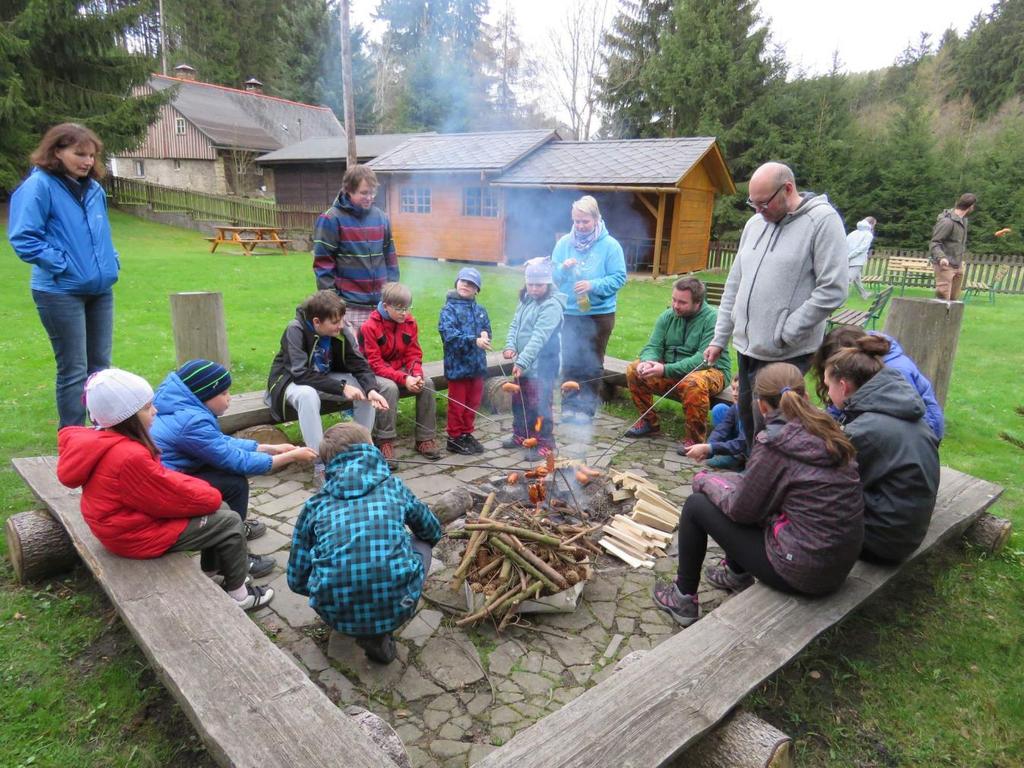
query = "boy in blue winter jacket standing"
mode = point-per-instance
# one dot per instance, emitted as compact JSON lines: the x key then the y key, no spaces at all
{"x":351,"y":553}
{"x":465,"y":330}
{"x":186,"y":431}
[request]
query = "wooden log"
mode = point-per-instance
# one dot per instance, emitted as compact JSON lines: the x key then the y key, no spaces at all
{"x":743,"y":741}
{"x":267,"y":434}
{"x":928,"y":330}
{"x":495,"y":398}
{"x":197,"y":321}
{"x":38,"y":546}
{"x":990,"y":533}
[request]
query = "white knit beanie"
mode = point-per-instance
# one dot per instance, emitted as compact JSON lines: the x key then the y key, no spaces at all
{"x":113,"y":395}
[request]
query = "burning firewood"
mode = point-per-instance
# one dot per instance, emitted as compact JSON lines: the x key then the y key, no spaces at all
{"x":570,"y":386}
{"x":510,"y":387}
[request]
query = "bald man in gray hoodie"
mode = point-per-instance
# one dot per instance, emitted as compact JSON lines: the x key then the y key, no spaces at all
{"x":789,"y":275}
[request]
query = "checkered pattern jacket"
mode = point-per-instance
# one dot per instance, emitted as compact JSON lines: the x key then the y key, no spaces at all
{"x":351,"y":553}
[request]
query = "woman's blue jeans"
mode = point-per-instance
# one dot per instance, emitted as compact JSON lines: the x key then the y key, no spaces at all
{"x":81,"y":331}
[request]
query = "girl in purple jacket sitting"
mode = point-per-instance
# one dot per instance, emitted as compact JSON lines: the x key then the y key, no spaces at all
{"x":794,"y":519}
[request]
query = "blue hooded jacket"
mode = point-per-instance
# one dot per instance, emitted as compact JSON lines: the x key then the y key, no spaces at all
{"x":603,"y":264}
{"x":351,"y":553}
{"x":67,"y":242}
{"x":459,"y":325}
{"x":189,"y":437}
{"x":899,"y":360}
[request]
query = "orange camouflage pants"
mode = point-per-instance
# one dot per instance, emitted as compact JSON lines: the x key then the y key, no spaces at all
{"x":694,"y":392}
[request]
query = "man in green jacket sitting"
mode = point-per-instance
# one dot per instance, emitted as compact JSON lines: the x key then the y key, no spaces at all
{"x":673,"y":359}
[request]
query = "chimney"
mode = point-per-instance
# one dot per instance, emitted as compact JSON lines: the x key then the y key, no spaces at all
{"x":185,"y":72}
{"x":252,"y":85}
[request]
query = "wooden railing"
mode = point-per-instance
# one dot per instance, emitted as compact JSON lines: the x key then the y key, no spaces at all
{"x":981,"y":267}
{"x":205,"y":206}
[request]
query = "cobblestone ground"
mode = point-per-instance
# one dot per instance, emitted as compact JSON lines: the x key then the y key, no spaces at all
{"x":455,"y":694}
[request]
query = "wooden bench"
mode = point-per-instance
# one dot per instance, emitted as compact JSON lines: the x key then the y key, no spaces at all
{"x":649,"y":713}
{"x":914,"y":271}
{"x":615,"y":375}
{"x":248,"y":701}
{"x":978,"y":287}
{"x":861,"y":318}
{"x":713,"y":293}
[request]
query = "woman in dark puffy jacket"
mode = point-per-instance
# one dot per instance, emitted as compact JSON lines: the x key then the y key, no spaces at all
{"x":794,"y":519}
{"x":897,"y":452}
{"x":58,"y":224}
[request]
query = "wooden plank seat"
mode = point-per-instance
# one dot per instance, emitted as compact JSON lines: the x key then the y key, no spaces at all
{"x":713,"y":293}
{"x":247,"y":700}
{"x":978,"y":287}
{"x":861,"y":318}
{"x":615,"y":374}
{"x":649,"y":713}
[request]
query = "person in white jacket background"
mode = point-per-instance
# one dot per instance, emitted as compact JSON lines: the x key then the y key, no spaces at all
{"x":859,"y":243}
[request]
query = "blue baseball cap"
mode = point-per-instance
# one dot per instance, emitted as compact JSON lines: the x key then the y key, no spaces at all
{"x":470,"y":275}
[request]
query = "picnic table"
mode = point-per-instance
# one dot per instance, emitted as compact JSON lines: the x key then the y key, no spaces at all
{"x":248,"y":237}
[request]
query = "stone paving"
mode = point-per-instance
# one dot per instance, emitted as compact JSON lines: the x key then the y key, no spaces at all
{"x":455,"y":694}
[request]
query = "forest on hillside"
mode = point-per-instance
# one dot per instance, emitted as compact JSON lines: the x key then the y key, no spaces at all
{"x":898,"y":143}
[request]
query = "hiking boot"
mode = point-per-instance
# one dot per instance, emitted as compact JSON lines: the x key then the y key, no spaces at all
{"x":724,"y":577}
{"x":254,"y":528}
{"x":475,"y":444}
{"x":459,"y":445}
{"x":319,"y":475}
{"x":379,"y":648}
{"x":643,"y":429}
{"x":256,"y":597}
{"x":428,"y":450}
{"x":387,"y":450}
{"x":260,"y":565}
{"x":683,"y":608}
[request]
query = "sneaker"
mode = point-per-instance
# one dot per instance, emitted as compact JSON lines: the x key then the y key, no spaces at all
{"x":725,"y":461}
{"x":512,"y":442}
{"x":459,"y":445}
{"x":475,"y":444}
{"x":684,"y":446}
{"x":387,"y":450}
{"x":643,"y":429}
{"x":683,"y":608}
{"x":428,"y":450}
{"x":724,"y":577}
{"x":254,"y":528}
{"x":379,"y":648}
{"x":319,"y":474}
{"x":260,"y":565}
{"x":256,"y":597}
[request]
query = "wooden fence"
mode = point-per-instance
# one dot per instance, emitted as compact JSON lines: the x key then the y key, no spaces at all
{"x":204,"y":206}
{"x":981,"y":267}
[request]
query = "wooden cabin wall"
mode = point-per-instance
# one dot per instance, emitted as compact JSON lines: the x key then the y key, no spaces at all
{"x":309,"y":184}
{"x":691,"y":225}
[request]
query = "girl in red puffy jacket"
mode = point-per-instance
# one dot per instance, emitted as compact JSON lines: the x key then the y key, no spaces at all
{"x":134,"y":505}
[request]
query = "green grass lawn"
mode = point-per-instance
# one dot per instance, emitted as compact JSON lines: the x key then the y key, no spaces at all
{"x":929,"y":674}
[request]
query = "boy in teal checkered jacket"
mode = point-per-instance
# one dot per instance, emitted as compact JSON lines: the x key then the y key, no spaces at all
{"x":351,"y":553}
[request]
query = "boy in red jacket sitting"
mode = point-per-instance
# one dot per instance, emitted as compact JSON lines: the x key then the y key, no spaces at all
{"x":390,"y":342}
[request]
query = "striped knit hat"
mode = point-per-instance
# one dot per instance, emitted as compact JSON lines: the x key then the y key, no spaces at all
{"x":205,"y":378}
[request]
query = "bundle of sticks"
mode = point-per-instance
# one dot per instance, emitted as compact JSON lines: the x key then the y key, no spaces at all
{"x":517,"y":558}
{"x":642,"y":537}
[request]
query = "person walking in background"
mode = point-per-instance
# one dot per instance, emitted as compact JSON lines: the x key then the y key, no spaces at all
{"x":948,"y":245}
{"x":859,"y":243}
{"x":789,"y":275}
{"x":58,"y":224}
{"x":590,"y":268}
{"x":353,"y":251}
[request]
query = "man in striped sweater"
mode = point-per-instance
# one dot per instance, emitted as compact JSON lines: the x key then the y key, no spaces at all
{"x":353,"y":251}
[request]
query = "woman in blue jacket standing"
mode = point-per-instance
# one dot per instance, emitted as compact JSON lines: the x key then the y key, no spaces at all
{"x":58,"y":224}
{"x":590,"y":268}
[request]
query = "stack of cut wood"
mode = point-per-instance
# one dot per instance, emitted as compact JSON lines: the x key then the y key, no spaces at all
{"x":641,"y":538}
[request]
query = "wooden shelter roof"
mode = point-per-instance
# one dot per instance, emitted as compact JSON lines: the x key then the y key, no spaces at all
{"x":487,"y":152}
{"x":335,"y":148}
{"x":657,"y":164}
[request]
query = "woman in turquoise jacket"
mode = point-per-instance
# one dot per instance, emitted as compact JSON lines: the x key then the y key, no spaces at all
{"x":58,"y":224}
{"x":590,"y":269}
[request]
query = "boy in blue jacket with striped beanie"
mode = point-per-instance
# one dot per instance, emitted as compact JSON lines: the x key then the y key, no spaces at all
{"x":351,"y":553}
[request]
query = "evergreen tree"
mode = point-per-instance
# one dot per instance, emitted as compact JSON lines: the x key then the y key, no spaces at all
{"x":60,"y":61}
{"x":631,"y":46}
{"x":329,"y":85}
{"x":996,"y":175}
{"x":202,"y":34}
{"x":990,"y":59}
{"x":304,"y":35}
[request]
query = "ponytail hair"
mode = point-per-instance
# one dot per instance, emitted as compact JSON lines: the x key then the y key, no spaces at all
{"x":839,"y":338}
{"x":781,"y":387}
{"x":132,"y":428}
{"x":859,"y":362}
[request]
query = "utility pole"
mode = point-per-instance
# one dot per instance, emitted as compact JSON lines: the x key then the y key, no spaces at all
{"x":346,"y":84}
{"x":163,"y":39}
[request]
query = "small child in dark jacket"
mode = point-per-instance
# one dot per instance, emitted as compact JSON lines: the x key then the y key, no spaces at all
{"x":794,"y":519}
{"x":897,"y":451}
{"x":351,"y":554}
{"x":465,"y":330}
{"x":533,"y":342}
{"x":726,"y":448}
{"x":186,"y":431}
